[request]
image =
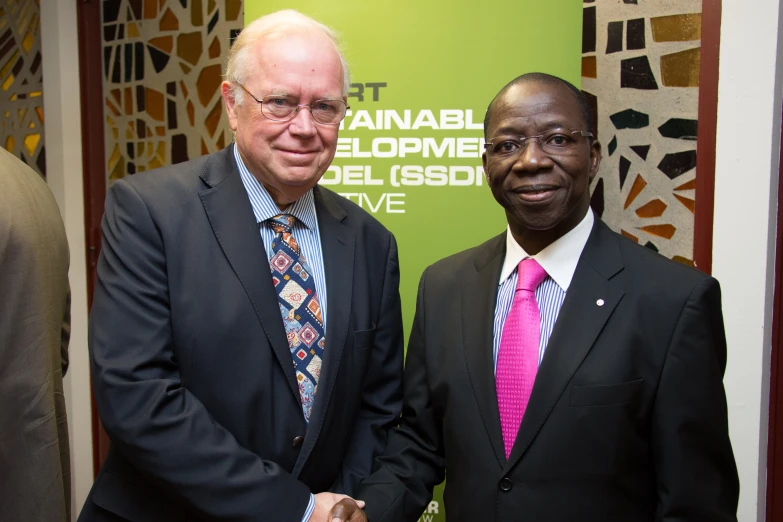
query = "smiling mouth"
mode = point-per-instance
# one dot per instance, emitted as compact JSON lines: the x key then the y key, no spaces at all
{"x":537,"y":193}
{"x":298,"y":152}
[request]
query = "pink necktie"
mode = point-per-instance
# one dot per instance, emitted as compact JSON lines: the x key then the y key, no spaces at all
{"x":518,"y":355}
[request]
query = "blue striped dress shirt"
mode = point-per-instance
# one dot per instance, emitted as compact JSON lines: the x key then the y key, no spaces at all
{"x":559,"y":260}
{"x":305,"y":230}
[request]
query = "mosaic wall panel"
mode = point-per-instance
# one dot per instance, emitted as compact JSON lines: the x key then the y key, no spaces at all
{"x":640,"y":70}
{"x":21,"y":82}
{"x":162,"y":65}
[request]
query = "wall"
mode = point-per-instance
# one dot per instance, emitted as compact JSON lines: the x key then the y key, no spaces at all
{"x":22,"y":115}
{"x":746,"y":180}
{"x":60,"y":65}
{"x":162,"y":64}
{"x":640,"y":70}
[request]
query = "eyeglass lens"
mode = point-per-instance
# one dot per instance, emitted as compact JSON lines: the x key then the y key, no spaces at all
{"x":283,"y":108}
{"x":553,"y":142}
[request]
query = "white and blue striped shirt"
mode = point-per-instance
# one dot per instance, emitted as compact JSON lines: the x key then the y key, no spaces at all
{"x":305,"y":230}
{"x":559,"y":260}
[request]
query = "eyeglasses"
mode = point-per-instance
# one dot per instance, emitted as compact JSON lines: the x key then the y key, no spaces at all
{"x":556,"y":142}
{"x":276,"y":107}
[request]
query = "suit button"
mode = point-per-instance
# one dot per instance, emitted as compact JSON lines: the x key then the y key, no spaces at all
{"x":506,"y":484}
{"x":298,"y":441}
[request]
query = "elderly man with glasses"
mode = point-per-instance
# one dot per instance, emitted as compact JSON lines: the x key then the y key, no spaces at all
{"x":246,"y":334}
{"x":559,"y":371}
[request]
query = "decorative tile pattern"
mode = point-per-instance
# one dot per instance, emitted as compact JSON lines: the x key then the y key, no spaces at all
{"x":625,"y":166}
{"x":640,"y":70}
{"x":612,"y":145}
{"x":679,"y":128}
{"x":162,"y":63}
{"x":681,"y":69}
{"x":614,"y":37}
{"x":588,"y":30}
{"x":676,"y":28}
{"x":635,"y":36}
{"x":630,"y":119}
{"x":589,"y":67}
{"x":21,"y":82}
{"x":641,"y":150}
{"x":677,"y":163}
{"x":636,"y":73}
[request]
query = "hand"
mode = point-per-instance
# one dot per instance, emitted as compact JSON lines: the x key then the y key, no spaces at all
{"x":325,"y":501}
{"x":347,"y":510}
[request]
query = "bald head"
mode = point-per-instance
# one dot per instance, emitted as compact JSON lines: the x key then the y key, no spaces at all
{"x":543,"y":79}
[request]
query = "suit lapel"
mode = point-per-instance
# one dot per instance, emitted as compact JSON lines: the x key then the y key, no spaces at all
{"x":478,"y":306}
{"x":231,"y":216}
{"x":578,"y":324}
{"x":338,"y":245}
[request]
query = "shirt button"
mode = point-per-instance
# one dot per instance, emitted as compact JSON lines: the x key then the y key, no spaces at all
{"x":506,"y":484}
{"x":298,"y":441}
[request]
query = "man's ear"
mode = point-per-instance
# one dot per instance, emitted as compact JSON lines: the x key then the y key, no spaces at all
{"x":227,"y":92}
{"x":595,"y":158}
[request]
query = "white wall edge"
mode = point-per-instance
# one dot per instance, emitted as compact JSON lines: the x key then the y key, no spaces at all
{"x":744,"y":227}
{"x":63,"y":141}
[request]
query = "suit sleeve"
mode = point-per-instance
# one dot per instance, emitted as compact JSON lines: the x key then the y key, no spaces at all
{"x":151,"y":418}
{"x":696,"y":474}
{"x":382,"y":391}
{"x":33,"y":281}
{"x":413,"y":462}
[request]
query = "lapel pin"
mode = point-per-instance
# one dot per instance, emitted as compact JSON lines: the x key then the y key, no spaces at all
{"x":600,"y":302}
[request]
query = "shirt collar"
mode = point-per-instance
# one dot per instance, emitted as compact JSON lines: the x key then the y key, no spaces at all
{"x":558,"y":259}
{"x":264,"y":207}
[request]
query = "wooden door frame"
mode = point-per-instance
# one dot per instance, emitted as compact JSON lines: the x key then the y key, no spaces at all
{"x":90,"y":23}
{"x":708,"y":124}
{"x":775,"y":435}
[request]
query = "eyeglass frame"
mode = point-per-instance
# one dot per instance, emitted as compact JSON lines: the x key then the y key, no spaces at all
{"x":298,"y":106}
{"x":538,"y":137}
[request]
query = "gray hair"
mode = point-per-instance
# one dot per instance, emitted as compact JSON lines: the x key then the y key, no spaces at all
{"x":287,"y":20}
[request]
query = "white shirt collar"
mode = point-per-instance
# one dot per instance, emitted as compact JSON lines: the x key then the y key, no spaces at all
{"x":558,"y":259}
{"x":264,"y":206}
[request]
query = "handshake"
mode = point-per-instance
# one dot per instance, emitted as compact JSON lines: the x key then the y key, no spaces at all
{"x":331,"y":507}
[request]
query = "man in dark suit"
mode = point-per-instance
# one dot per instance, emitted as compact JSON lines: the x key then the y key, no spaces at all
{"x":246,"y":335}
{"x":35,"y":326}
{"x":607,"y":404}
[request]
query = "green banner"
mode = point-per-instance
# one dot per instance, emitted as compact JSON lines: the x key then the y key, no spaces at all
{"x":423,"y":73}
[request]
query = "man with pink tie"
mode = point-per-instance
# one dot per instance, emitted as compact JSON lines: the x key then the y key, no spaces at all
{"x":558,"y":372}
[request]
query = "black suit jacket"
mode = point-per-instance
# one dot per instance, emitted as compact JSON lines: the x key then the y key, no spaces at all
{"x":627,"y":418}
{"x":192,"y":373}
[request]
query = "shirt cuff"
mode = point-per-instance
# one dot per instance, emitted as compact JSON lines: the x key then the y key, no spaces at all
{"x":310,"y":508}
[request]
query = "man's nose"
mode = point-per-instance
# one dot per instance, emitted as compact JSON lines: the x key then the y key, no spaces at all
{"x":303,"y":123}
{"x":532,"y":157}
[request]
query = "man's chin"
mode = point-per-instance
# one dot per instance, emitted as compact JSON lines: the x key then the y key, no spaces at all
{"x":545,"y":224}
{"x":299,"y":185}
{"x":535,"y":221}
{"x":298,"y":175}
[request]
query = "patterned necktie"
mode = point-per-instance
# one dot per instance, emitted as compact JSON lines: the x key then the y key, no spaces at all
{"x":518,"y":355}
{"x":299,"y":307}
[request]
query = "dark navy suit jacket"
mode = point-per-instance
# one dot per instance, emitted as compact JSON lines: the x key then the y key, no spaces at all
{"x":192,"y":373}
{"x":627,"y":419}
